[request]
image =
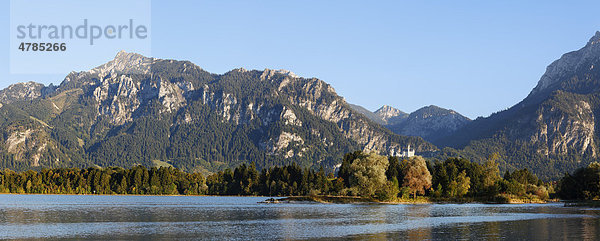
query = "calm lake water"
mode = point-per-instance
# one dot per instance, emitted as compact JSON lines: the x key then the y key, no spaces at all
{"x":242,"y":218}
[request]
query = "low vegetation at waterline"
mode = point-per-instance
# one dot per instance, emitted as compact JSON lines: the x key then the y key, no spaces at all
{"x":366,"y":175}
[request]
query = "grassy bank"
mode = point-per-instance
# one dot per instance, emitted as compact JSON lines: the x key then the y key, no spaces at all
{"x":321,"y":199}
{"x":500,"y":199}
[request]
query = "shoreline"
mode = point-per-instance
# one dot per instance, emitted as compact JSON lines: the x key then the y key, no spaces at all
{"x":582,"y":203}
{"x":139,"y":195}
{"x":346,"y":199}
{"x":421,"y":200}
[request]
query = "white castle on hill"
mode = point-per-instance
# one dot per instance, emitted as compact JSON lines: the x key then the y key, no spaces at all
{"x":408,"y":152}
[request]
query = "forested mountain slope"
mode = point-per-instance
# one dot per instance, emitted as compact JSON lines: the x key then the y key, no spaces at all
{"x":554,"y":129}
{"x":139,"y":110}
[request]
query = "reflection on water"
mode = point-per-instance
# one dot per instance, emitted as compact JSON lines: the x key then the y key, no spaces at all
{"x":242,"y":218}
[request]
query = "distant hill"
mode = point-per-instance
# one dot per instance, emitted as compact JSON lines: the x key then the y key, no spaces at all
{"x":431,"y":122}
{"x":138,"y":110}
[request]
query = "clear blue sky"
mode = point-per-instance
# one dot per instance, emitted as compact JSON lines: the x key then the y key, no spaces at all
{"x":476,"y":57}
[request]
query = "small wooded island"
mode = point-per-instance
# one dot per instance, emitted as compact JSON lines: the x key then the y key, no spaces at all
{"x":362,"y":177}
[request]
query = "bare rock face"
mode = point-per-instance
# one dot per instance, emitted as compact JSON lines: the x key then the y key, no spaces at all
{"x":29,"y":145}
{"x":282,"y":142}
{"x":290,"y":118}
{"x":561,"y":131}
{"x":117,"y":98}
{"x":172,"y":95}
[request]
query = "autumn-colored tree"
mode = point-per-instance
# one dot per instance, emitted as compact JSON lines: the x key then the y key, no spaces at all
{"x":416,"y":175}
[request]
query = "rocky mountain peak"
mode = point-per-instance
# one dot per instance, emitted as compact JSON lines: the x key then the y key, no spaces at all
{"x":563,"y":68}
{"x":387,"y":115}
{"x":595,"y":39}
{"x":387,"y":112}
{"x":130,"y":58}
{"x":125,"y":63}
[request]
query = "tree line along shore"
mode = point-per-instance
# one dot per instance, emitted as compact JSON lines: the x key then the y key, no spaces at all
{"x":361,"y":177}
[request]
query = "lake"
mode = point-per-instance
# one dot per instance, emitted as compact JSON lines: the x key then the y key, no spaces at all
{"x":42,"y":217}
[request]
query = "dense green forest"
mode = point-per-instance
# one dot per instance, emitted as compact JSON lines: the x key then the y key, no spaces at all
{"x":583,"y":184}
{"x":366,"y":175}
